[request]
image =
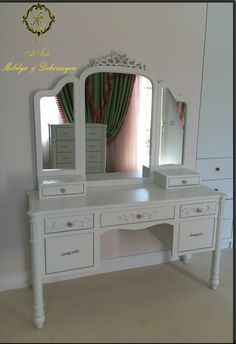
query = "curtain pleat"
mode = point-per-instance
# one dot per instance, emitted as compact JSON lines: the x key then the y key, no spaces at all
{"x":107,"y":97}
{"x":65,"y":100}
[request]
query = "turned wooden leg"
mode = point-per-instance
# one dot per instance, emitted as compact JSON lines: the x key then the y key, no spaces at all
{"x":38,"y":306}
{"x":186,"y":258}
{"x":215,"y":266}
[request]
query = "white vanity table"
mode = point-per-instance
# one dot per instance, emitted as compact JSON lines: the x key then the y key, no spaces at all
{"x":68,"y":215}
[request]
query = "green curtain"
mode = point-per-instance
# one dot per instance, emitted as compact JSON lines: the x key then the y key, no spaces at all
{"x":65,"y":103}
{"x":107,"y":97}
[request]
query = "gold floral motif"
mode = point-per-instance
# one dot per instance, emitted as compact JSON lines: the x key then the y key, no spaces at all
{"x":38,"y":19}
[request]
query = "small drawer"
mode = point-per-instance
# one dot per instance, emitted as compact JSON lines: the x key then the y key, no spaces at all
{"x":65,"y":133}
{"x":93,"y":134}
{"x":215,"y":168}
{"x":183,"y":181}
{"x":66,"y":146}
{"x":227,"y":229}
{"x":198,"y":209}
{"x":93,"y":145}
{"x":66,"y":166}
{"x":138,"y":215}
{"x":169,"y":178}
{"x":63,"y":189}
{"x":68,"y":223}
{"x":65,"y":158}
{"x":71,"y":252}
{"x":93,"y":156}
{"x":221,"y":185}
{"x":196,"y":234}
{"x":93,"y":167}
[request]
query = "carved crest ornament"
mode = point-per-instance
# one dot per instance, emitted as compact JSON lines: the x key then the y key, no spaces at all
{"x":119,"y":59}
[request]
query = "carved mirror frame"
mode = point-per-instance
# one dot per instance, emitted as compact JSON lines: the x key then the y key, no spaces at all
{"x":79,"y":130}
{"x":119,"y":62}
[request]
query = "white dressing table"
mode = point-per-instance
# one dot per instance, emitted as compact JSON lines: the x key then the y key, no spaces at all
{"x":69,"y":214}
{"x":65,"y":232}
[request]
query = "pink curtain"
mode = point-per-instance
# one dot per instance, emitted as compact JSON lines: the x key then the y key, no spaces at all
{"x":122,"y":150}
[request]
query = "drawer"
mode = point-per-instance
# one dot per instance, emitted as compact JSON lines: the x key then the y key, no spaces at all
{"x":196,"y":234}
{"x":215,"y":168}
{"x":65,"y":157}
{"x":68,"y":223}
{"x":69,"y":166}
{"x":93,"y":167}
{"x":197,"y":209}
{"x":179,"y":177}
{"x":93,"y":134}
{"x":71,"y":252}
{"x":66,"y":146}
{"x":183,"y":181}
{"x":227,"y":229}
{"x":65,"y":133}
{"x":138,"y":215}
{"x":223,"y":185}
{"x":93,"y":145}
{"x":93,"y":156}
{"x":62,"y":189}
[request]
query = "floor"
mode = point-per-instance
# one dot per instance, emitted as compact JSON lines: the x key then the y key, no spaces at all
{"x":167,"y":303}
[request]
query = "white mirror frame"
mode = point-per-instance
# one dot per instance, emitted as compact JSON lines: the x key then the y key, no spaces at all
{"x":79,"y":123}
{"x":179,"y":97}
{"x":120,"y":63}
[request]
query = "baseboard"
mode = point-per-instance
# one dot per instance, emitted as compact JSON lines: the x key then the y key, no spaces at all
{"x":14,"y":281}
{"x":22,"y":280}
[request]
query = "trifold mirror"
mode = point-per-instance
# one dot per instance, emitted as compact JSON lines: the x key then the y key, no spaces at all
{"x":173,"y":112}
{"x":105,"y":124}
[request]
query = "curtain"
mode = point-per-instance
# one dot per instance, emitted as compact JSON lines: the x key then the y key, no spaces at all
{"x":107,"y":97}
{"x":65,"y":103}
{"x":122,"y":150}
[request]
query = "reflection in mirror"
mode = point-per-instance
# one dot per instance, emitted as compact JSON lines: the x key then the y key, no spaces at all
{"x":57,"y":130}
{"x":173,"y":120}
{"x":118,"y":110}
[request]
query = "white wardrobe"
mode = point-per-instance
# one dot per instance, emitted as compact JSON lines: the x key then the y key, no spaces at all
{"x":215,"y":137}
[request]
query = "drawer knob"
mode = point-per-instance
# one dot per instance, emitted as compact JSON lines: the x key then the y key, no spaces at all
{"x":196,"y":235}
{"x":139,"y":216}
{"x":69,"y":224}
{"x":63,"y":190}
{"x":184,"y":181}
{"x":217,"y":169}
{"x":199,"y":210}
{"x":70,"y":253}
{"x":216,"y":189}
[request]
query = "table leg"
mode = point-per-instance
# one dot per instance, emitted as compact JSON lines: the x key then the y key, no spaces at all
{"x":186,"y":258}
{"x":38,"y":306}
{"x":215,"y":266}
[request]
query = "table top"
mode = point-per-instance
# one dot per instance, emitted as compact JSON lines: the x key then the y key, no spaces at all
{"x":119,"y":195}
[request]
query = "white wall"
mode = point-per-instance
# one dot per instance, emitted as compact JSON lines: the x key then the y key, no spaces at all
{"x":168,"y":38}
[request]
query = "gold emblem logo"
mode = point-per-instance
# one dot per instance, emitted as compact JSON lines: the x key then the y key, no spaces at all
{"x":38,"y":19}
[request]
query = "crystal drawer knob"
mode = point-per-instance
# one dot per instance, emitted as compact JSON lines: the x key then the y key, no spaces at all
{"x":199,"y":210}
{"x":63,"y":190}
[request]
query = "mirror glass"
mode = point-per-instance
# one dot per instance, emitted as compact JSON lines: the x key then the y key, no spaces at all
{"x":173,"y":121}
{"x":57,"y":130}
{"x":118,"y":115}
